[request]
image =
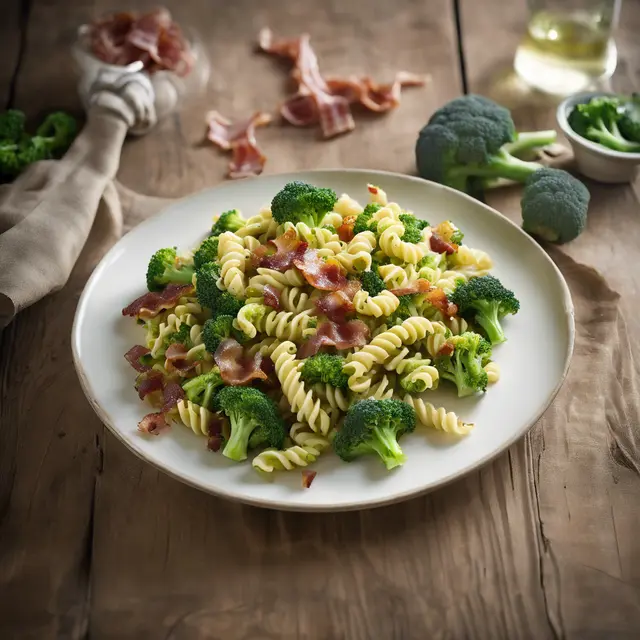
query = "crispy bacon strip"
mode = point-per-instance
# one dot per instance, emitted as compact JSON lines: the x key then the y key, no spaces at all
{"x":172,"y":393}
{"x":441,"y":246}
{"x":419,"y":286}
{"x":336,"y":305}
{"x":288,"y":248}
{"x":308,"y":477}
{"x":438,"y":298}
{"x":271,"y":296}
{"x":236,"y":368}
{"x":151,"y":304}
{"x":345,"y":230}
{"x":175,"y":356}
{"x":153,"y":423}
{"x":446,"y":349}
{"x":133,"y":358}
{"x":239,"y":137}
{"x":325,"y":275}
{"x":148,"y":382}
{"x":354,"y":333}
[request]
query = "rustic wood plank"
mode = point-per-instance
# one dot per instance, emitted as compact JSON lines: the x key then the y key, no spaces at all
{"x":585,"y":476}
{"x":169,"y":561}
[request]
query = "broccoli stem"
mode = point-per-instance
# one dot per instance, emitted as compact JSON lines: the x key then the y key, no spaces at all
{"x":385,"y":444}
{"x":236,"y":447}
{"x":612,"y":139}
{"x":181,"y":276}
{"x":502,"y":165}
{"x":528,"y":140}
{"x":487,"y":317}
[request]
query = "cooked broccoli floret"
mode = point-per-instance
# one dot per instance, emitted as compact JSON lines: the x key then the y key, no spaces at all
{"x":629,"y":122}
{"x":302,"y":202}
{"x":228,"y":221}
{"x":182,"y":335}
{"x":406,"y":309}
{"x":430,"y":261}
{"x":206,"y":252}
{"x":464,"y":366}
{"x":485,"y":301}
{"x":208,"y":294}
{"x":412,"y":227}
{"x":597,"y":120}
{"x":330,"y":227}
{"x":374,"y":427}
{"x":364,"y":220}
{"x":215,"y":330}
{"x":325,"y":368}
{"x":554,"y":206}
{"x":372,"y":283}
{"x":248,"y":409}
{"x":165,"y":267}
{"x":471,"y":141}
{"x":202,"y":389}
{"x":11,"y":125}
{"x":54,"y":135}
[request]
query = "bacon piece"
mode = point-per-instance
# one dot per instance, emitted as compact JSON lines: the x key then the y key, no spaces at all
{"x":345,"y":230}
{"x":239,"y":137}
{"x":308,"y":477}
{"x":438,"y":298}
{"x":338,"y":304}
{"x":287,"y":249}
{"x":148,"y":382}
{"x":237,"y":368}
{"x":133,"y":358}
{"x":300,"y":110}
{"x":446,"y":349}
{"x":327,"y":276}
{"x":271,"y":296}
{"x":172,"y":393}
{"x":354,"y":333}
{"x":153,"y":423}
{"x":151,"y":304}
{"x":284,"y":47}
{"x":419,"y":286}
{"x":175,"y":356}
{"x":441,"y":246}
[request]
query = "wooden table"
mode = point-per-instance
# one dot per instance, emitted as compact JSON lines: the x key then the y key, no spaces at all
{"x":543,"y":542}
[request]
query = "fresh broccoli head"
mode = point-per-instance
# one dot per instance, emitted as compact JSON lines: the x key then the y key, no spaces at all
{"x":217,"y":329}
{"x":302,"y":202}
{"x":324,"y":368}
{"x":374,"y":427}
{"x":554,"y":206}
{"x":364,"y":221}
{"x":228,"y":221}
{"x":485,"y":301}
{"x":471,"y":141}
{"x":598,"y":121}
{"x":412,"y":227}
{"x":249,"y":409}
{"x":206,"y":252}
{"x":166,"y":268}
{"x":202,"y":388}
{"x":208,"y":294}
{"x":372,"y":283}
{"x":11,"y":125}
{"x":55,"y":134}
{"x":629,"y":122}
{"x":464,"y":367}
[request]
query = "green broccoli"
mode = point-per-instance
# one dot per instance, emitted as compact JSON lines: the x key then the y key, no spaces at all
{"x":554,"y":206}
{"x":209,"y":296}
{"x":415,"y":384}
{"x":406,"y":309}
{"x":412,"y":228}
{"x":165,"y":267}
{"x":228,"y":221}
{"x":464,"y":366}
{"x":11,"y":125}
{"x":372,"y":283}
{"x":55,"y":135}
{"x":215,"y":330}
{"x":203,"y":388}
{"x":464,"y":145}
{"x":330,"y":227}
{"x":248,"y":409}
{"x":597,"y":120}
{"x":374,"y":427}
{"x":325,"y":368}
{"x":364,"y":220}
{"x":206,"y":252}
{"x":485,"y":301}
{"x":182,"y":335}
{"x":629,"y":122}
{"x":430,"y":261}
{"x":302,"y":202}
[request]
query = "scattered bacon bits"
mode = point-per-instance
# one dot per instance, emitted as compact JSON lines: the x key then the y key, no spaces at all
{"x":237,"y":368}
{"x":336,"y":305}
{"x":175,"y":358}
{"x":239,"y":138}
{"x":308,"y":477}
{"x":441,"y":246}
{"x":288,"y":248}
{"x":172,"y":394}
{"x":438,"y":298}
{"x":133,"y":358}
{"x":271,"y":296}
{"x":153,"y":423}
{"x":325,"y":275}
{"x":354,"y":333}
{"x":215,"y":426}
{"x":151,"y":304}
{"x":419,"y":286}
{"x":149,"y":382}
{"x":345,"y":230}
{"x":446,"y":349}
{"x":372,"y":190}
{"x":328,"y":102}
{"x":151,"y":38}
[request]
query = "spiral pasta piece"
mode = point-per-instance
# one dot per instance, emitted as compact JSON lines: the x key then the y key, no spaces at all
{"x":261,"y":226}
{"x":391,"y":232}
{"x":232,"y":257}
{"x":327,"y":242}
{"x":357,"y":257}
{"x":417,"y":375}
{"x":346,"y":206}
{"x":265,"y":347}
{"x":285,"y":325}
{"x":290,"y":278}
{"x":296,"y":300}
{"x":383,"y":304}
{"x":194,"y":417}
{"x":397,"y":277}
{"x":472,"y":261}
{"x":437,"y":417}
{"x":334,"y":218}
{"x":334,"y":397}
{"x":300,"y":398}
{"x":493,"y":372}
{"x":377,"y":195}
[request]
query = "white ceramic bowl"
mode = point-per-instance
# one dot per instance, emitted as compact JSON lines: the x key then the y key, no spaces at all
{"x":592,"y":159}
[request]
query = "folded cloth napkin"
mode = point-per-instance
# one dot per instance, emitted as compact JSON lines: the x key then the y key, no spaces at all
{"x":47,"y":213}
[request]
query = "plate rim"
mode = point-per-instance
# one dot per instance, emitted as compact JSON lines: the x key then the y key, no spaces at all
{"x":278,"y":505}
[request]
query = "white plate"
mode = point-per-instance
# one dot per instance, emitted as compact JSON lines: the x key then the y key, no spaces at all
{"x":534,"y":360}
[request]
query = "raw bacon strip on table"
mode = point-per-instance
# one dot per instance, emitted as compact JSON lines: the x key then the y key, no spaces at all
{"x":326,"y":275}
{"x":151,"y":304}
{"x":239,"y":138}
{"x":354,"y":333}
{"x":236,"y":368}
{"x":133,"y":357}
